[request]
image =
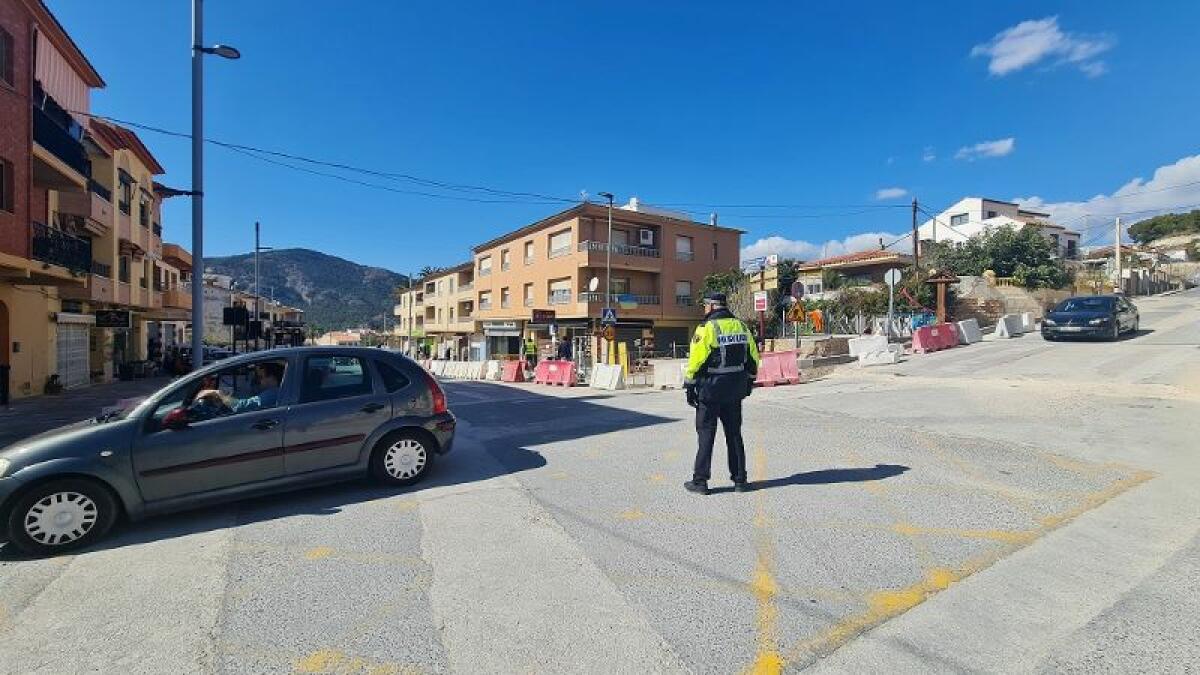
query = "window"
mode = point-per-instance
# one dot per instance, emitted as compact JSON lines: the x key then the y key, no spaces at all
{"x":505,"y":260}
{"x":143,"y":209}
{"x":485,"y":300}
{"x":958,"y":219}
{"x":232,"y":391}
{"x":123,"y":269}
{"x":6,"y":57}
{"x":505,"y":299}
{"x":529,"y":295}
{"x":683,"y":248}
{"x":560,"y":243}
{"x":991,"y":214}
{"x":529,"y":253}
{"x":620,"y":237}
{"x":714,"y":250}
{"x":126,"y":191}
{"x":6,"y":186}
{"x":560,"y":291}
{"x":1071,"y":250}
{"x":683,"y":293}
{"x":333,"y":377}
{"x":393,"y":379}
{"x":485,"y":266}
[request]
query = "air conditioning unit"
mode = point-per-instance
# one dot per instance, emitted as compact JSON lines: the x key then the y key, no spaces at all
{"x":646,"y":237}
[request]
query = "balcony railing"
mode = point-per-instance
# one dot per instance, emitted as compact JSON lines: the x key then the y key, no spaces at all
{"x":99,"y":190}
{"x":48,"y":134}
{"x":685,"y":300}
{"x":529,"y":302}
{"x":101,"y":269}
{"x":686,"y":256}
{"x":59,"y":248}
{"x":560,"y":251}
{"x":620,"y":249}
{"x":504,"y":267}
{"x":157,"y":229}
{"x":485,"y":272}
{"x":528,"y":260}
{"x":505,"y":304}
{"x":616,"y":298}
{"x":470,"y":285}
{"x":560,"y":297}
{"x":485,"y":306}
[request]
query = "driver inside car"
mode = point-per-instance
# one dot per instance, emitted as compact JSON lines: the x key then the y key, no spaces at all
{"x":269,"y":377}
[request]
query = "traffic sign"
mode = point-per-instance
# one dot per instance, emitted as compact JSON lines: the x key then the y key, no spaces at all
{"x":608,"y":316}
{"x":754,"y":264}
{"x":760,"y":301}
{"x":892,"y":276}
{"x":609,"y":333}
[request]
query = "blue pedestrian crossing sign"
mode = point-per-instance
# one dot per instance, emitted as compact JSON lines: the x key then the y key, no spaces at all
{"x":608,"y":317}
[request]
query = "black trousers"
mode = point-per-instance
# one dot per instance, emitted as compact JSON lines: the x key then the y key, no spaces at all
{"x":729,"y":412}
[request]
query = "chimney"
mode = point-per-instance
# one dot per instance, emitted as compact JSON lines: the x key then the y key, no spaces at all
{"x":712,"y":219}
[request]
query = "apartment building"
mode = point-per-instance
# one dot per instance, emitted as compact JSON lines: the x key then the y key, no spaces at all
{"x":972,"y":215}
{"x":45,"y":87}
{"x":438,"y":314}
{"x":659,"y":261}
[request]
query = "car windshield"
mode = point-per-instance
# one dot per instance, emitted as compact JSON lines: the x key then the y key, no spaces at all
{"x":1085,"y":305}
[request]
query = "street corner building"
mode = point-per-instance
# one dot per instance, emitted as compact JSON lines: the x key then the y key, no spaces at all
{"x":489,"y":306}
{"x":87,"y":288}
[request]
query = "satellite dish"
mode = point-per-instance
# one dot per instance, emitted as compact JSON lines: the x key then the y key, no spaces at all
{"x":594,"y":284}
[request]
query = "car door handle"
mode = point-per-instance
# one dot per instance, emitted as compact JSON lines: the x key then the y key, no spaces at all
{"x":371,"y":408}
{"x":263,"y":425}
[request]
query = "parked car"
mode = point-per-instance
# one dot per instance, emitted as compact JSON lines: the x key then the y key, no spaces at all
{"x":252,"y":424}
{"x":1106,"y":316}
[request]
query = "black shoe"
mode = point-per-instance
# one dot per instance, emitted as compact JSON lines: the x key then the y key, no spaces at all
{"x":700,"y":487}
{"x":742,"y":487}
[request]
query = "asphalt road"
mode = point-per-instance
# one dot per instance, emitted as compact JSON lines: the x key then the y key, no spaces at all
{"x":1009,"y":506}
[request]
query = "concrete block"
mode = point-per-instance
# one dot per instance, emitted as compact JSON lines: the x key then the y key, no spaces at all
{"x":608,"y":377}
{"x":492,"y":371}
{"x":1008,"y":326}
{"x":968,"y":332}
{"x":668,"y":373}
{"x":1027,"y":322}
{"x":868,"y":343}
{"x":878,"y":358}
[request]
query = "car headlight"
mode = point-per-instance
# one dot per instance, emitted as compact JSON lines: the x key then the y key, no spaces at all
{"x":1097,"y":322}
{"x":1049,"y":322}
{"x":3,"y":467}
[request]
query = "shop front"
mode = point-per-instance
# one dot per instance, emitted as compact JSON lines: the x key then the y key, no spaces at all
{"x":502,"y":339}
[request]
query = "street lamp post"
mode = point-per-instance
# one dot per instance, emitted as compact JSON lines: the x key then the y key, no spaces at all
{"x":198,"y":52}
{"x":608,"y":255}
{"x":257,"y":297}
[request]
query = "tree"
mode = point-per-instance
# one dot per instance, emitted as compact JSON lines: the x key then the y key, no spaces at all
{"x":428,"y":271}
{"x":1165,"y":225}
{"x":1023,"y":254}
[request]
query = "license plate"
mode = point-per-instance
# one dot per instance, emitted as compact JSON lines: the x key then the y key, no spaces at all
{"x":1070,"y":329}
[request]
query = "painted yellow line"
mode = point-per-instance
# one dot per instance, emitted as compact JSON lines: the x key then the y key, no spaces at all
{"x":340,"y":663}
{"x":318,"y":553}
{"x":767,"y":660}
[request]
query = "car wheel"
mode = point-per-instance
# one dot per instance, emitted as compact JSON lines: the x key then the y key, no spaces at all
{"x":403,"y":458}
{"x":1048,"y":337}
{"x":61,"y":515}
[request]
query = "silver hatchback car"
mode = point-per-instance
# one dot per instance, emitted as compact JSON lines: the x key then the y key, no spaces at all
{"x":253,"y":424}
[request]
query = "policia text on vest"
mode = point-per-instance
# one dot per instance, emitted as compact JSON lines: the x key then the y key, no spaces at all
{"x":722,"y":364}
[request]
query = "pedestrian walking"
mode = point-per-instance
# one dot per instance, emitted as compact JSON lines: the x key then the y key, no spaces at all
{"x":722,"y":364}
{"x":564,"y":350}
{"x":531,"y":352}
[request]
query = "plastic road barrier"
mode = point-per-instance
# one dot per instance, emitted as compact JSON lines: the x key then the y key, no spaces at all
{"x":1027,"y":322}
{"x":968,"y":332}
{"x":513,"y":371}
{"x":935,"y":337}
{"x":777,"y":368}
{"x":1008,"y":326}
{"x":437,"y":367}
{"x":867,"y":343}
{"x":668,"y":374}
{"x":492,"y":371}
{"x":608,"y":377}
{"x":541,"y":373}
{"x":562,"y":373}
{"x":880,"y":358}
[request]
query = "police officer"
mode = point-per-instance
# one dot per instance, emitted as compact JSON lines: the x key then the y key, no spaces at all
{"x":722,"y":365}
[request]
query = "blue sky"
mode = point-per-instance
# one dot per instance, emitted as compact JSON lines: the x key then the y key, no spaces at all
{"x":820,"y":106}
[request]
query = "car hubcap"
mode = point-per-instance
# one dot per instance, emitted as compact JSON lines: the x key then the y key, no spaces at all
{"x":405,"y":459}
{"x":60,"y":518}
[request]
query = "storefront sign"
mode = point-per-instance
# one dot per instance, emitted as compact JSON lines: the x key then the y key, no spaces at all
{"x":113,"y":318}
{"x":543,"y":316}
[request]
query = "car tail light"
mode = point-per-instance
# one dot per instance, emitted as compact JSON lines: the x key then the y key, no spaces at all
{"x":435,"y":391}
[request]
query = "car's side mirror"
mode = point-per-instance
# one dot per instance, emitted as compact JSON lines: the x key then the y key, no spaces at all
{"x":176,"y":420}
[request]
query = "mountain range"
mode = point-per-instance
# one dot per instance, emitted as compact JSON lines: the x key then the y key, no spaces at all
{"x":334,"y":293}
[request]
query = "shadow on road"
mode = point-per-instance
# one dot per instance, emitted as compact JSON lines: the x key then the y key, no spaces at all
{"x":1131,"y":335}
{"x":504,"y":431}
{"x":826,"y":477}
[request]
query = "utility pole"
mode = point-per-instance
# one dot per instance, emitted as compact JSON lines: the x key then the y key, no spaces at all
{"x":197,"y":184}
{"x":608,"y":255}
{"x":1119,"y":285}
{"x":916,"y":244}
{"x":409,"y":346}
{"x":257,"y":310}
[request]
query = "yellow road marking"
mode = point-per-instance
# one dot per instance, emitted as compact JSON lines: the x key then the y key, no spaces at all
{"x":1006,"y":536}
{"x":767,"y":661}
{"x":318,"y":553}
{"x":657,"y":478}
{"x":336,"y":662}
{"x":631,"y":514}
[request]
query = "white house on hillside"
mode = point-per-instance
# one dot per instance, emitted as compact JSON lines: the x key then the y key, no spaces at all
{"x":973,"y":215}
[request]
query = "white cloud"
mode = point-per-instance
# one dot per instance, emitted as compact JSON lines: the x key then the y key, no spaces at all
{"x":997,"y":148}
{"x":1030,"y":42}
{"x":1174,"y":187}
{"x":928,"y":155}
{"x":890,"y":193}
{"x":807,"y":250}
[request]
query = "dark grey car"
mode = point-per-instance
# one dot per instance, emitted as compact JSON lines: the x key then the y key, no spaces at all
{"x":253,"y":424}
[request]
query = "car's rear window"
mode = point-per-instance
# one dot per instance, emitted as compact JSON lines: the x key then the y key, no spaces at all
{"x":1085,"y":305}
{"x":393,"y":379}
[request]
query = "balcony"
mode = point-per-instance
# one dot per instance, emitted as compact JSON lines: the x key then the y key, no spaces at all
{"x":686,"y":256}
{"x":177,"y":298}
{"x":99,"y":190}
{"x":485,"y":272}
{"x":60,"y":162}
{"x":59,"y":248}
{"x":124,"y":293}
{"x":504,"y":267}
{"x":92,"y":207}
{"x":156,"y":229}
{"x":485,"y":306}
{"x":101,"y":269}
{"x":560,"y":297}
{"x":528,"y":260}
{"x":618,"y":298}
{"x":470,"y":285}
{"x":529,"y":302}
{"x":685,"y":300}
{"x":620,"y":249}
